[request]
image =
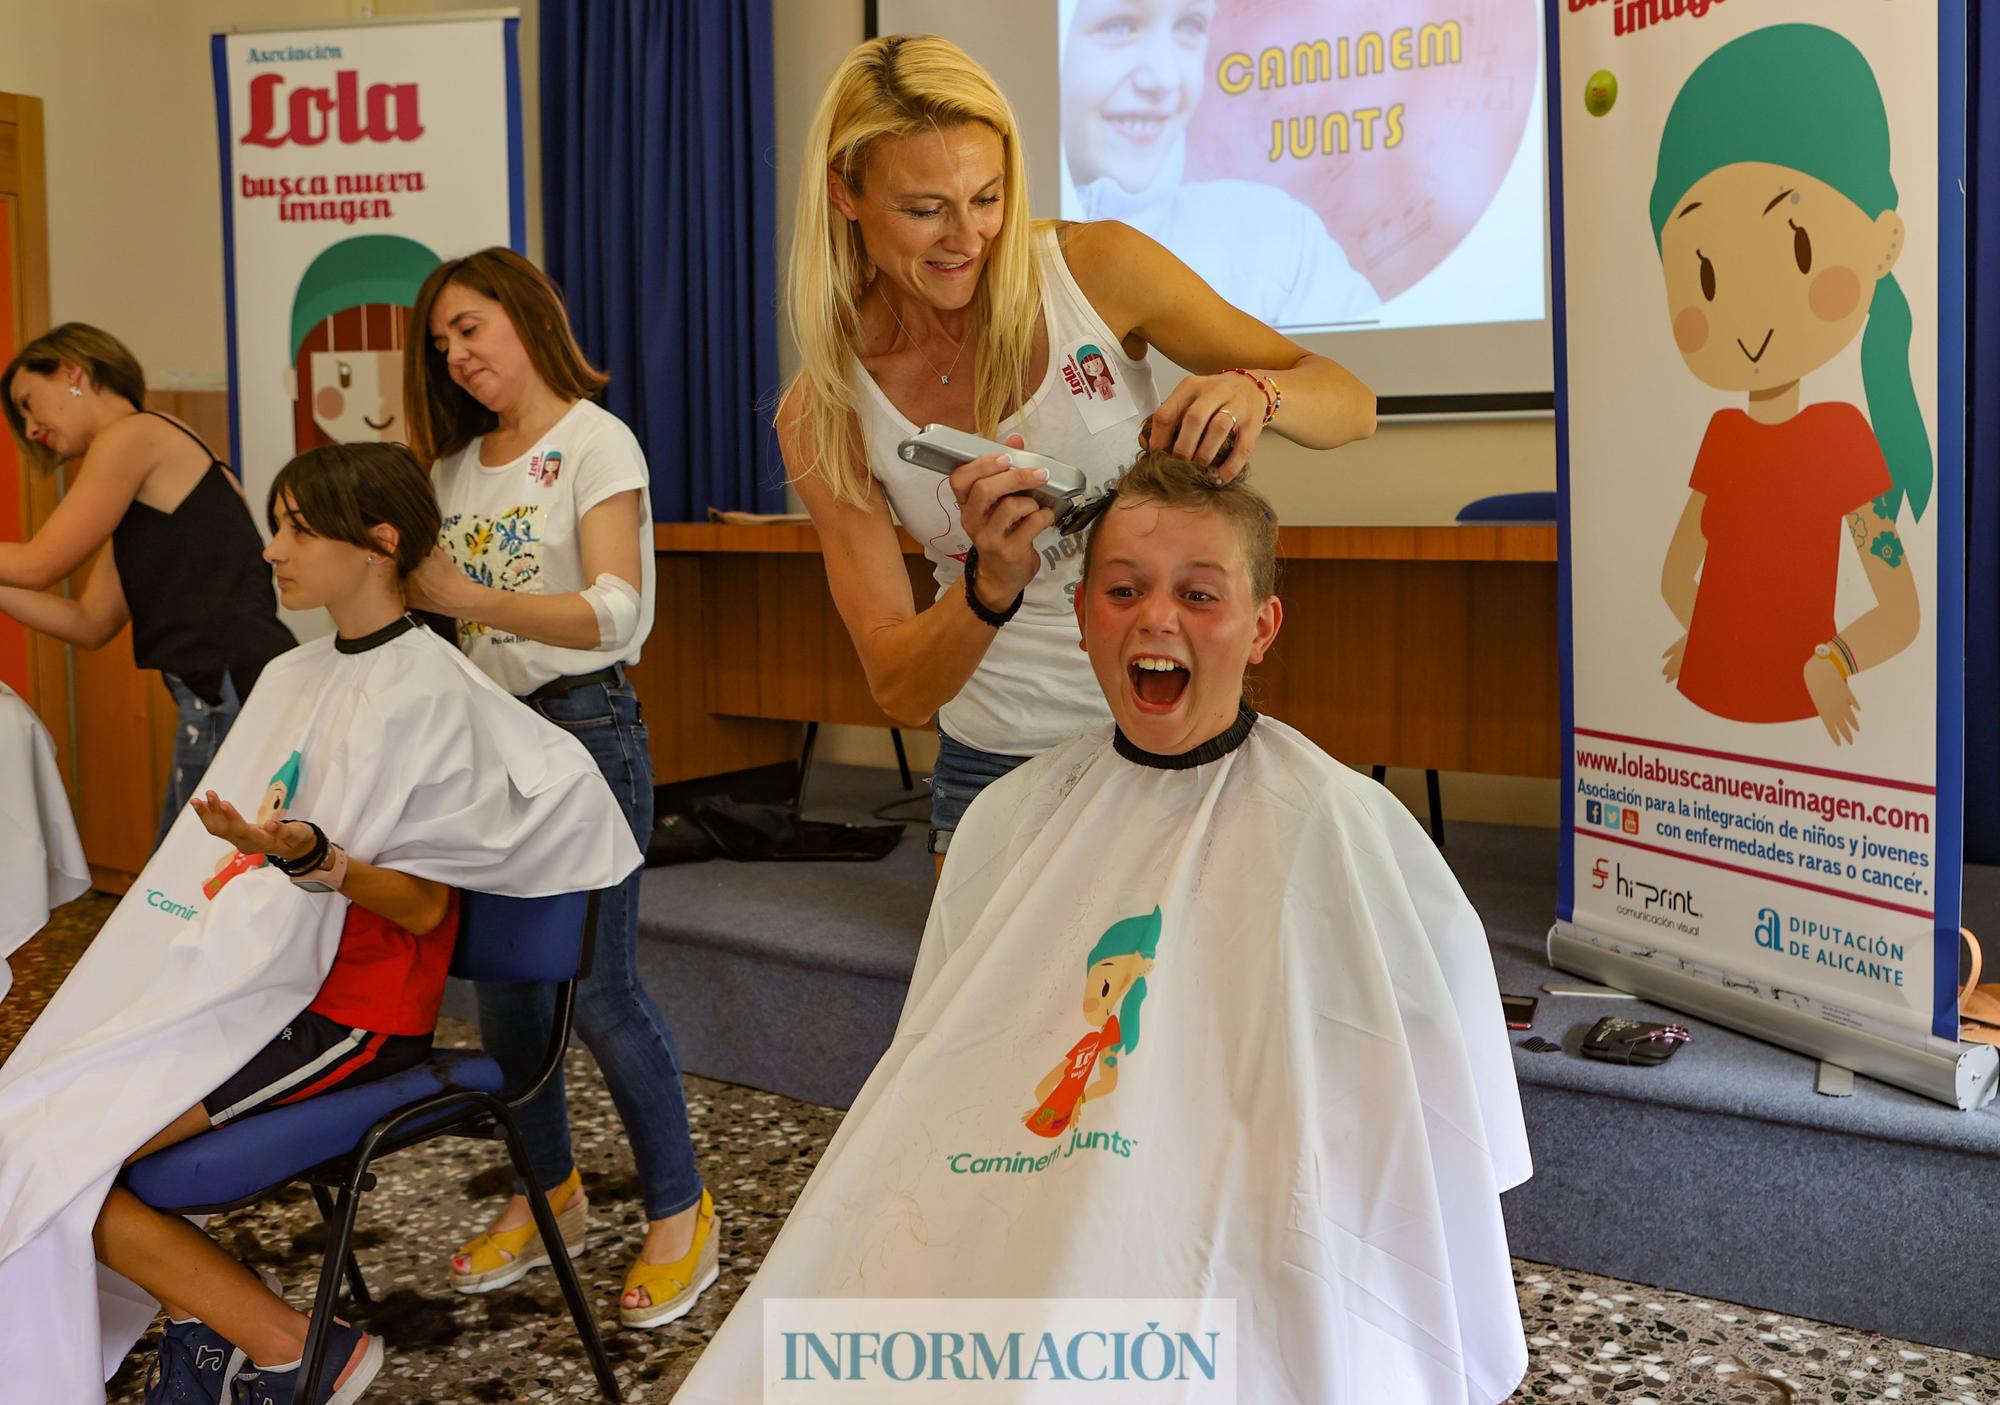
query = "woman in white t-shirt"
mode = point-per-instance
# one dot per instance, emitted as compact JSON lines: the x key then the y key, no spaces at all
{"x":546,"y":563}
{"x":921,"y":293}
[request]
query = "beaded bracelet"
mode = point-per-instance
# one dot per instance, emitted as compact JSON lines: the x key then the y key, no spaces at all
{"x":1272,"y":398}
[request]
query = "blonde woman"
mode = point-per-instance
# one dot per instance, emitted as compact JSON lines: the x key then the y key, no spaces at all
{"x":922,"y":293}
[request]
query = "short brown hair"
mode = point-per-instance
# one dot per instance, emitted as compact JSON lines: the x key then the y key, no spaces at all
{"x":342,"y":490}
{"x":106,"y":360}
{"x":1167,"y":480}
{"x":443,"y":417}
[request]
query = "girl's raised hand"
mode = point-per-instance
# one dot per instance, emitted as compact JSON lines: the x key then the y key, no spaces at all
{"x":221,"y":819}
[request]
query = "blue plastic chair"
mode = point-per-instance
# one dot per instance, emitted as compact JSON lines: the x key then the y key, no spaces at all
{"x":1510,"y":507}
{"x":331,"y":1141}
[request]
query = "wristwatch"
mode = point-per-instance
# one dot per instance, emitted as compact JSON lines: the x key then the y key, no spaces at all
{"x":328,"y":877}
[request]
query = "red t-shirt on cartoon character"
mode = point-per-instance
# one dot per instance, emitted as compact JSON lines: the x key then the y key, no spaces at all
{"x":1776,"y":495}
{"x":1053,"y":1117}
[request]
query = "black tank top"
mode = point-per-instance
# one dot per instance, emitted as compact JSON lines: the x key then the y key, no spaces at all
{"x":198,"y":587}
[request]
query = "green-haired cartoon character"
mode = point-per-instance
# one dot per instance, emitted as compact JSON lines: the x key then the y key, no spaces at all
{"x":1774,"y":214}
{"x":275,"y":805}
{"x":1114,"y":989}
{"x":350,"y":319}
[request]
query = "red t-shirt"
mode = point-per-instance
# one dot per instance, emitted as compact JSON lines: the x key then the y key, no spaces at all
{"x":1053,"y":1116}
{"x":1776,"y":496}
{"x":385,"y":979}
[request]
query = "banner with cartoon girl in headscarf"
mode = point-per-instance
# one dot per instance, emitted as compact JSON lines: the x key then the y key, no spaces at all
{"x":355,"y":156}
{"x":1760,"y":362}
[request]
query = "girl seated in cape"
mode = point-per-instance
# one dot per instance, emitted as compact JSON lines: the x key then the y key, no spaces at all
{"x":349,"y":524}
{"x":1321,"y":1113}
{"x":395,"y":774}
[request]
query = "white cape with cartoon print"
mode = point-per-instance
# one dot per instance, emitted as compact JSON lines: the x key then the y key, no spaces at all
{"x":1317,"y":1120}
{"x":41,"y":858}
{"x":412,"y":760}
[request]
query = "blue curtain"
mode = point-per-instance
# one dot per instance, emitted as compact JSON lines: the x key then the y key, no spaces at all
{"x":1982,"y":447}
{"x":659,"y":220}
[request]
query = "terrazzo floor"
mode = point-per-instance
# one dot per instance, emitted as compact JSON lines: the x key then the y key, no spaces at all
{"x":1590,"y":1338}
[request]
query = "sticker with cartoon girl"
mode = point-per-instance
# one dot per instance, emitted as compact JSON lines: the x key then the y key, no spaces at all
{"x":1114,"y":990}
{"x":276,"y":805}
{"x":1774,"y":214}
{"x":350,"y":320}
{"x":1096,"y":372}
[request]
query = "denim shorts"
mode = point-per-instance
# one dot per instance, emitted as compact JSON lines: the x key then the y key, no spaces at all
{"x":961,"y":773}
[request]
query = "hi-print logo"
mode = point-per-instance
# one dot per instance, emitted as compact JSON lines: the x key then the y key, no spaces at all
{"x":1094,"y":388}
{"x":546,"y":468}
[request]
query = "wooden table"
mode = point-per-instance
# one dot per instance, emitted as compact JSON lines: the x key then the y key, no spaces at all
{"x":1428,"y":647}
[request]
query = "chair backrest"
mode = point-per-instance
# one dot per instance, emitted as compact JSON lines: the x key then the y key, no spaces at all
{"x":522,"y":939}
{"x":1510,"y":507}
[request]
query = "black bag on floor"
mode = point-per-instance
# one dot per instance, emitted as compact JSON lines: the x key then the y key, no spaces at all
{"x":750,"y":831}
{"x":678,"y":839}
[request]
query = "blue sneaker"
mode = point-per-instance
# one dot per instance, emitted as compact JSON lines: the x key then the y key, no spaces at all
{"x":195,"y":1366}
{"x":352,"y":1359}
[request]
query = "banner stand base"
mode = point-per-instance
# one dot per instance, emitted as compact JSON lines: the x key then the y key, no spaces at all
{"x":1966,"y":1079}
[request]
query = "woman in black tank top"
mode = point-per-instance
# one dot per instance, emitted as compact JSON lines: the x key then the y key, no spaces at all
{"x":199,"y":600}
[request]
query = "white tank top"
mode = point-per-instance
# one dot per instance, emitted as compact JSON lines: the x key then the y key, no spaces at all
{"x":1034,"y":688}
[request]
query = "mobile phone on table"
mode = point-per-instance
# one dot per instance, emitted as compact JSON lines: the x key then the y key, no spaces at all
{"x":1519,"y":1010}
{"x":941,"y":449}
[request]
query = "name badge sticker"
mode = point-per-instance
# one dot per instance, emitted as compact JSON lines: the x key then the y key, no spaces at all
{"x":1101,"y":398}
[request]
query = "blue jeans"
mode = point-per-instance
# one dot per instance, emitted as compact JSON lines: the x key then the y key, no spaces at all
{"x":198,"y":732}
{"x":615,"y":1018}
{"x":961,"y":773}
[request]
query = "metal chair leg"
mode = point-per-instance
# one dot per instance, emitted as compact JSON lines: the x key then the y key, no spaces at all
{"x":340,"y":1232}
{"x":902,"y":759}
{"x":1381,"y":773}
{"x":805,"y":765}
{"x":545,"y":1221}
{"x":357,"y":1286}
{"x":1437,"y":808}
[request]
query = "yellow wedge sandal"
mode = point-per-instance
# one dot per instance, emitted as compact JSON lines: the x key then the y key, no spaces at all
{"x":673,"y":1287}
{"x":496,"y":1258}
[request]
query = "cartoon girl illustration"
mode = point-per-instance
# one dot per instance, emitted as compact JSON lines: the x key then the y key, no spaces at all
{"x":1097,"y":372}
{"x":1114,"y":990}
{"x":350,"y":319}
{"x":1774,"y":214}
{"x":275,"y":805}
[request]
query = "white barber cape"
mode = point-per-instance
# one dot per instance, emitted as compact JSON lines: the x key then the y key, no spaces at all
{"x":41,"y":858}
{"x":411,"y":759}
{"x":1316,"y":1121}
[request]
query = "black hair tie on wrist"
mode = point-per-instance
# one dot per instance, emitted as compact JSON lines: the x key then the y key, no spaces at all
{"x":312,"y":859}
{"x":979,"y":610}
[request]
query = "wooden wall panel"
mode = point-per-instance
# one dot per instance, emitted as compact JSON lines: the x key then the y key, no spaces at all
{"x":1417,"y":647}
{"x":685,"y":740}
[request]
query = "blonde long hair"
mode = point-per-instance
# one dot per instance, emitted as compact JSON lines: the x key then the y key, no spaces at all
{"x":887,"y":88}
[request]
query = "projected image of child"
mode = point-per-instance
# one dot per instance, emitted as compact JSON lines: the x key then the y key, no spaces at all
{"x":1774,"y":212}
{"x":1132,"y":75}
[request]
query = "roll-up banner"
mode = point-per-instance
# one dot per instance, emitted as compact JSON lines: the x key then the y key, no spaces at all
{"x":1760,"y":233}
{"x":354,"y":158}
